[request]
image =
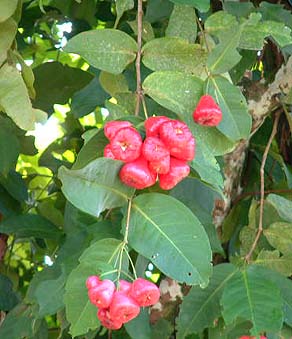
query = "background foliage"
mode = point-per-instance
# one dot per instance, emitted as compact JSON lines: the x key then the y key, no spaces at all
{"x":67,"y":67}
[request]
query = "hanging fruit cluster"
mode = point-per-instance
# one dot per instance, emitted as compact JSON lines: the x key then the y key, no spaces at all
{"x":117,"y":306}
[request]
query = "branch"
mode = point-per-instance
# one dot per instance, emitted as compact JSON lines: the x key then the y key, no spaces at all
{"x":262,"y":175}
{"x":138,"y":58}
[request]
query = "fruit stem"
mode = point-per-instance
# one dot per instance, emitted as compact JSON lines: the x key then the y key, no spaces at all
{"x":139,"y":92}
{"x":131,"y":262}
{"x":203,"y":34}
{"x":128,"y":222}
{"x":144,"y":107}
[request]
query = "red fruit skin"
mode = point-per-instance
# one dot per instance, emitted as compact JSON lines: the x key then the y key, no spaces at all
{"x":153,"y":149}
{"x":160,"y":166}
{"x":126,"y":144}
{"x":137,"y":174}
{"x":111,"y":127}
{"x":178,"y":138}
{"x":102,"y":294}
{"x":207,"y":112}
{"x":123,"y":308}
{"x":92,"y":281}
{"x":152,"y":125}
{"x":179,"y":169}
{"x":107,"y":152}
{"x":107,"y":321}
{"x":144,"y":292}
{"x":248,"y":337}
{"x":184,"y":153}
{"x":124,"y":286}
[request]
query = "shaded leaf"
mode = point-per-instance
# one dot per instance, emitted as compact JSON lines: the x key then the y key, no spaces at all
{"x":201,"y":307}
{"x":272,"y":260}
{"x":106,"y":49}
{"x":236,"y":122}
{"x":148,"y":33}
{"x":279,"y":235}
{"x":113,"y":83}
{"x":8,"y":298}
{"x":201,"y":5}
{"x":174,"y":54}
{"x":96,"y":186}
{"x":184,"y":256}
{"x":9,"y":150}
{"x":182,"y":23}
{"x":282,"y":205}
{"x":7,"y":8}
{"x":30,"y":225}
{"x":248,"y":296}
{"x":123,"y":6}
{"x":59,"y":88}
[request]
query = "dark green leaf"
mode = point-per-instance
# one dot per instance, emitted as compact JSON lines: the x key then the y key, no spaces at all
{"x":9,"y":151}
{"x":282,"y":205}
{"x":15,"y":185}
{"x":123,"y":6}
{"x":155,"y":219}
{"x":201,"y":307}
{"x":158,"y":10}
{"x":113,"y":83}
{"x":182,"y":23}
{"x":236,"y":122}
{"x":248,"y":296}
{"x":201,"y":5}
{"x":30,"y":225}
{"x":148,"y":33}
{"x":107,"y":49}
{"x":57,"y":89}
{"x":95,"y":187}
{"x":8,"y":298}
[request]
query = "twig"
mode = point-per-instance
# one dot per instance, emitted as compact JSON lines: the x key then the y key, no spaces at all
{"x":262,"y":176}
{"x":138,"y":58}
{"x":203,"y":33}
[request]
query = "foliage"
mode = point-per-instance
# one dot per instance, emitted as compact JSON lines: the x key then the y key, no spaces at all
{"x":73,"y":65}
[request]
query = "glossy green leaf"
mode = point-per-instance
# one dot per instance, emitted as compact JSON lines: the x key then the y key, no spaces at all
{"x":13,"y":94}
{"x":7,"y":8}
{"x":236,"y":122}
{"x":113,"y":83}
{"x":185,"y":255}
{"x":182,"y":23}
{"x":96,"y":186}
{"x":107,"y":49}
{"x":201,"y":307}
{"x":9,"y":151}
{"x":174,"y":54}
{"x":282,"y":205}
{"x":80,"y":312}
{"x":279,"y":235}
{"x":248,"y":296}
{"x":273,"y":260}
{"x":201,"y":5}
{"x":225,"y":55}
{"x":30,"y":225}
{"x":8,"y":31}
{"x":176,"y":91}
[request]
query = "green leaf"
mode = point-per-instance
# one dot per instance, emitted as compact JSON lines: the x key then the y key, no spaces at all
{"x":201,"y":307}
{"x":182,"y":23}
{"x":273,"y":260}
{"x":174,"y":54}
{"x":218,"y":23}
{"x":113,"y":83}
{"x":8,"y":298}
{"x":142,"y":322}
{"x":95,"y":187}
{"x":123,"y":6}
{"x":279,"y":235}
{"x":155,"y":219}
{"x":59,"y":88}
{"x":30,"y":225}
{"x":9,"y":151}
{"x":107,"y":49}
{"x":225,"y":55}
{"x":176,"y":91}
{"x":7,"y":8}
{"x":8,"y":31}
{"x":13,"y":94}
{"x":79,"y":311}
{"x":282,"y":205}
{"x":248,"y":296}
{"x":236,"y":122}
{"x":201,"y":5}
{"x":148,"y":33}
{"x":15,"y":185}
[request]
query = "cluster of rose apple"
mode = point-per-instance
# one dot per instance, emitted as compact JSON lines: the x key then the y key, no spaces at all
{"x":117,"y":306}
{"x":163,"y":155}
{"x":248,"y":337}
